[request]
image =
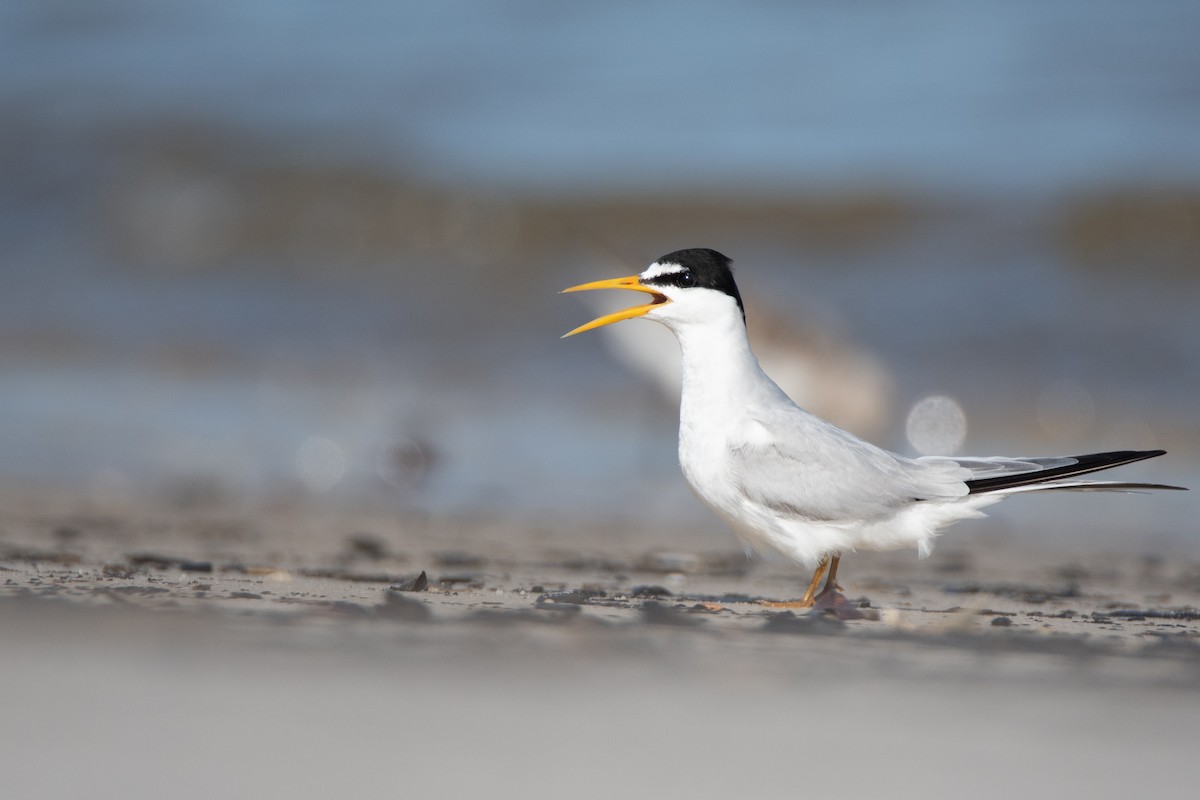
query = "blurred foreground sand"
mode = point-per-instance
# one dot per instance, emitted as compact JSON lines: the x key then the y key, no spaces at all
{"x":148,"y":652}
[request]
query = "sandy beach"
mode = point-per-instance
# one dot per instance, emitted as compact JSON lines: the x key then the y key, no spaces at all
{"x":303,"y":652}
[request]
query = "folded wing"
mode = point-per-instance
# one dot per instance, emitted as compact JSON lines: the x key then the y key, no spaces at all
{"x":797,"y":465}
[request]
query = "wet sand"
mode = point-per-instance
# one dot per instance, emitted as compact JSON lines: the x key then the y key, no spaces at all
{"x":303,"y":651}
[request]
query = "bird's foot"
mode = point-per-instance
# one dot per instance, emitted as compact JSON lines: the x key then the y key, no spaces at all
{"x":836,"y":604}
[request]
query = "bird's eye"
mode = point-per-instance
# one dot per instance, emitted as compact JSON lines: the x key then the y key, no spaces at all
{"x":686,"y":279}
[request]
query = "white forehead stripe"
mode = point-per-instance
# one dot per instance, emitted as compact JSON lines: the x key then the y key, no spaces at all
{"x":657,"y":270}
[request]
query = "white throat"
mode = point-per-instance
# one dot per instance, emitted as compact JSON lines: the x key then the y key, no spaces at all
{"x":719,"y":372}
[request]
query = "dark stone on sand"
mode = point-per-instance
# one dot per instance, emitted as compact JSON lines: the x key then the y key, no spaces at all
{"x":651,"y":591}
{"x":196,"y":566}
{"x":245,"y":596}
{"x":118,"y":571}
{"x":1002,"y":621}
{"x":417,"y":584}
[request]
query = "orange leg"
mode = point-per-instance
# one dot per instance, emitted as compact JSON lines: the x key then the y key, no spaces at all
{"x":810,"y":595}
{"x":831,"y":585}
{"x":831,"y":599}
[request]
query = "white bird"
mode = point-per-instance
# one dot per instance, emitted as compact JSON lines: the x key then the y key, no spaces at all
{"x":788,"y":481}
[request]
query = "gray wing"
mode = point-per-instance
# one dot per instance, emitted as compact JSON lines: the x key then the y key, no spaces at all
{"x":801,"y":466}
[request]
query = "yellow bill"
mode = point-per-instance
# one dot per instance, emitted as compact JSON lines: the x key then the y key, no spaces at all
{"x":630,"y":282}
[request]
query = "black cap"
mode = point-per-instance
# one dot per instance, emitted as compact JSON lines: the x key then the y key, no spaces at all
{"x":701,"y":268}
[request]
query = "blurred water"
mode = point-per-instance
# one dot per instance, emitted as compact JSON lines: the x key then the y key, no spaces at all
{"x":349,"y":291}
{"x":934,"y":93}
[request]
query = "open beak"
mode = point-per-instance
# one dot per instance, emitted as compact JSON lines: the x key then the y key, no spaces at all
{"x":630,"y":282}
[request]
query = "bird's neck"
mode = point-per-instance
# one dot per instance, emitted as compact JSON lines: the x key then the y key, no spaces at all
{"x":719,"y":370}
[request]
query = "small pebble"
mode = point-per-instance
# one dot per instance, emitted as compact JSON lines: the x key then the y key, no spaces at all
{"x":650,"y":591}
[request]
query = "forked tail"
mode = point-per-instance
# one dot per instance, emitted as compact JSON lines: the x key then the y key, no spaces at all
{"x":1055,"y":473}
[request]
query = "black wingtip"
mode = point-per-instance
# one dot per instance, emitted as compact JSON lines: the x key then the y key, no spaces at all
{"x":1092,"y":462}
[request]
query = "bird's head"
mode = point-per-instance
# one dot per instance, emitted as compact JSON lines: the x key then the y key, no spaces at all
{"x":686,"y":287}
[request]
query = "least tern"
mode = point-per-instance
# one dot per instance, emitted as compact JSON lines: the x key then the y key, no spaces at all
{"x":788,"y":481}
